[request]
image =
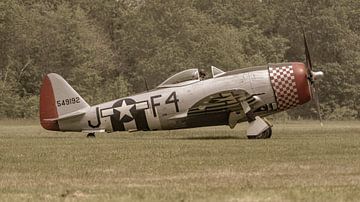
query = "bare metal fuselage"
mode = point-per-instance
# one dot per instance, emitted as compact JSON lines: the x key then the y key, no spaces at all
{"x":167,"y":108}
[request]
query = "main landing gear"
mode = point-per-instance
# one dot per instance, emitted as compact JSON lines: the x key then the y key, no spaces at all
{"x":264,"y":135}
{"x":259,"y":129}
{"x":90,"y":135}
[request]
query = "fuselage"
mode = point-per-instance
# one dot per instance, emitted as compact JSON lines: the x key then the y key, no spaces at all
{"x":276,"y":87}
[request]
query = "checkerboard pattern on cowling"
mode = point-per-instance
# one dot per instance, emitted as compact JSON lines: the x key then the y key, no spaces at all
{"x":283,"y":82}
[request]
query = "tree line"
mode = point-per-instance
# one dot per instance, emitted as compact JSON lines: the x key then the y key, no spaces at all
{"x":106,"y":48}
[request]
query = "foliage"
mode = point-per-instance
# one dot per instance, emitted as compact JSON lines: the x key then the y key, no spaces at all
{"x":107,"y":48}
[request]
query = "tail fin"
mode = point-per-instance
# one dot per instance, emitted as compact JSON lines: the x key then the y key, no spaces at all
{"x":58,"y":100}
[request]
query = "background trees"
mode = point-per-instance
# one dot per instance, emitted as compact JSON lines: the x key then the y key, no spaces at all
{"x":106,"y":48}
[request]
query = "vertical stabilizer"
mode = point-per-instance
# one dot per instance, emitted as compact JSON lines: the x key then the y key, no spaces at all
{"x":58,"y":99}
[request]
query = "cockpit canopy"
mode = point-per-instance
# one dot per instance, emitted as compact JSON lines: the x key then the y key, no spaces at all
{"x":185,"y":77}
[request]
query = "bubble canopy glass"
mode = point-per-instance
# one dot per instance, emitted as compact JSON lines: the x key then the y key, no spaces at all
{"x":185,"y":77}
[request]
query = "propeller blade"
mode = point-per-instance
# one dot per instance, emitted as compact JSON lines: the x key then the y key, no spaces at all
{"x":317,"y":102}
{"x":307,"y":54}
{"x":312,"y":76}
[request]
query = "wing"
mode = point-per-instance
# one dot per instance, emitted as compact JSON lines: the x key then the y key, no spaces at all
{"x":224,"y":101}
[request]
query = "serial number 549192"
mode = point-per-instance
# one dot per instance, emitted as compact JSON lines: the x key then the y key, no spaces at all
{"x":68,"y":101}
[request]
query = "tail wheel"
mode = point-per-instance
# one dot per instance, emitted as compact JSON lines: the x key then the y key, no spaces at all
{"x":264,"y":135}
{"x":90,"y":135}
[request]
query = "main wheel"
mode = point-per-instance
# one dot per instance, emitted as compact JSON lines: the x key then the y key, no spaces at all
{"x":264,"y":135}
{"x":90,"y":135}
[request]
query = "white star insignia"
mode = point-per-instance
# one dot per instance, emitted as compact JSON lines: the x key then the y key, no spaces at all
{"x":124,"y":109}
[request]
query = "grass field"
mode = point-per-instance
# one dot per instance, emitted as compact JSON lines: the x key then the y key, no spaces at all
{"x":301,"y":162}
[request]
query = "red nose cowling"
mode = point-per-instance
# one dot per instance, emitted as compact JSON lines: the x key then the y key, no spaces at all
{"x":290,"y":84}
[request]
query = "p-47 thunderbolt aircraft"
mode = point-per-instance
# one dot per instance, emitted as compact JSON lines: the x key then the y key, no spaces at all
{"x":185,"y":100}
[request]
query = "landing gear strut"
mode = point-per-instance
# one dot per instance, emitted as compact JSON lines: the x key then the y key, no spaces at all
{"x":90,"y":135}
{"x":259,"y":128}
{"x":264,"y":135}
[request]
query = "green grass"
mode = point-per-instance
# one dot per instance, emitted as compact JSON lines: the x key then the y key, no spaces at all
{"x":301,"y":162}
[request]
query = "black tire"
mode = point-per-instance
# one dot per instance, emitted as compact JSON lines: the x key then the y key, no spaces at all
{"x":91,"y":135}
{"x":264,"y":135}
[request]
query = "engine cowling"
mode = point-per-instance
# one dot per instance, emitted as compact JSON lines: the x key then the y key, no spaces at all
{"x":290,"y":84}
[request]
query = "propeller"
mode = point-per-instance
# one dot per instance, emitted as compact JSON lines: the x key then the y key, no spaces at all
{"x":312,"y":77}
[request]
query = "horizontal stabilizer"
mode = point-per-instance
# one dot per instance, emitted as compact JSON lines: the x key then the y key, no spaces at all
{"x":69,"y":115}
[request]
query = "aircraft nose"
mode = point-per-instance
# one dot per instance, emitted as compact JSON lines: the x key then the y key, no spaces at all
{"x":302,"y":82}
{"x":290,"y":84}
